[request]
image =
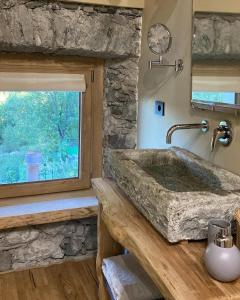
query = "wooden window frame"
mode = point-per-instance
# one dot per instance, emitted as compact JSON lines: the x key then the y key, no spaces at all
{"x":92,"y":111}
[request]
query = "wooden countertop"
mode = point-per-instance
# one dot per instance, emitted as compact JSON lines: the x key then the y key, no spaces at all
{"x":177,"y":269}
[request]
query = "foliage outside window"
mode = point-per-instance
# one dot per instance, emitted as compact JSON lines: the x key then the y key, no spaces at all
{"x":39,"y":135}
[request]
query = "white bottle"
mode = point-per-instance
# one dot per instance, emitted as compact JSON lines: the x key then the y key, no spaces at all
{"x":222,"y":258}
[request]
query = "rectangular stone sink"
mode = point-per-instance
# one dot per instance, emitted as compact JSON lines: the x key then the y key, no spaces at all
{"x":177,"y":191}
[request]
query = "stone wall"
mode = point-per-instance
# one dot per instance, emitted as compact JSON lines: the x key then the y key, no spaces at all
{"x":54,"y":28}
{"x":84,"y":30}
{"x":45,"y":244}
{"x":216,"y":36}
{"x":120,"y":106}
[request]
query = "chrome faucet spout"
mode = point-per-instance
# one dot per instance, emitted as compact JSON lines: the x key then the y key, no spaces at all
{"x":204,"y":126}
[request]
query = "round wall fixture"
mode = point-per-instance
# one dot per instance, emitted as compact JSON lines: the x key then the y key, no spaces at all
{"x":159,"y":39}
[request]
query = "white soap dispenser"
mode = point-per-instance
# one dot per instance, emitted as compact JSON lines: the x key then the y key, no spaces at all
{"x":222,"y":258}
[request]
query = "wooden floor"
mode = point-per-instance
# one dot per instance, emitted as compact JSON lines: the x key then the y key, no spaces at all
{"x":68,"y":281}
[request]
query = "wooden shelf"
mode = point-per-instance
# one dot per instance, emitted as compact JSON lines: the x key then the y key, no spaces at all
{"x":43,"y":209}
{"x":176,"y":269}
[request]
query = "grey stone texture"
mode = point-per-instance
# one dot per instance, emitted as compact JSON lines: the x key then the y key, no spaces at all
{"x":51,"y":27}
{"x":120,"y":107}
{"x":216,"y":36}
{"x":55,"y":28}
{"x":177,"y":191}
{"x":45,"y":244}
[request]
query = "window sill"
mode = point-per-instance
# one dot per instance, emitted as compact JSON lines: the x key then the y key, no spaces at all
{"x":43,"y":209}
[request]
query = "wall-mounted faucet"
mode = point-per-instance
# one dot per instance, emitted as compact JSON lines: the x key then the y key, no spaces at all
{"x":204,"y":126}
{"x":222,"y":134}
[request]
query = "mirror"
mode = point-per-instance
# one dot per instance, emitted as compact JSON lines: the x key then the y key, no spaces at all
{"x":159,"y":39}
{"x":216,"y":56}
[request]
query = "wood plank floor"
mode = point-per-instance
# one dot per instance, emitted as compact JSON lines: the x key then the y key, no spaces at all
{"x":67,"y":281}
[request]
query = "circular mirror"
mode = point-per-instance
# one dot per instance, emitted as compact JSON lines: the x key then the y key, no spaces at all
{"x":159,"y":39}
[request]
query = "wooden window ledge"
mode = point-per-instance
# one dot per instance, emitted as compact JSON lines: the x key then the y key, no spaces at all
{"x":43,"y":209}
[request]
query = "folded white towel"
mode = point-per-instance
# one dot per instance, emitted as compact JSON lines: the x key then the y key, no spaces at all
{"x":128,"y":280}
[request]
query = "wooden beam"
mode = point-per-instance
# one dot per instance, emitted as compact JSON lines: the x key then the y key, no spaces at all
{"x":221,"y":6}
{"x":107,"y":247}
{"x":120,"y":3}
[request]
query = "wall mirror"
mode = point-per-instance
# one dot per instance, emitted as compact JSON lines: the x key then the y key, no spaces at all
{"x":216,"y":55}
{"x":159,"y":42}
{"x":159,"y":39}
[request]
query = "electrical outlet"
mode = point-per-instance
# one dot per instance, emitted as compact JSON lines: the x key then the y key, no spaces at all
{"x":159,"y":108}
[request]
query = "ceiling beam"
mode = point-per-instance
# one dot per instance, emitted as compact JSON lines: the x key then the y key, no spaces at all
{"x":120,"y":3}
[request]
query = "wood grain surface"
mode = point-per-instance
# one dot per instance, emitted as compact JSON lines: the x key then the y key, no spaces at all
{"x":91,"y":129}
{"x":120,"y":3}
{"x":107,"y":247}
{"x":68,"y":281}
{"x":177,"y":269}
{"x":52,"y":208}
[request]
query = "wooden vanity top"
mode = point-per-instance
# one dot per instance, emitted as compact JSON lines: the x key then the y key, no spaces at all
{"x":177,"y":269}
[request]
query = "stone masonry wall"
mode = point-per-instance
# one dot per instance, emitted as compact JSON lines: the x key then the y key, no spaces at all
{"x":120,"y":106}
{"x":45,"y":244}
{"x":111,"y":33}
{"x":216,"y":36}
{"x":57,"y":28}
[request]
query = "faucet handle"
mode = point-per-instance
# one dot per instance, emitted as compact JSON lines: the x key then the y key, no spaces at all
{"x":218,"y":133}
{"x":222,"y":134}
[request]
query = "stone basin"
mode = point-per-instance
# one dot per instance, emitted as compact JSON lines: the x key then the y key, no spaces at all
{"x":177,"y":191}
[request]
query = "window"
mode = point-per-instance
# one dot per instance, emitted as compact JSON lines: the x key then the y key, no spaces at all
{"x":216,"y":89}
{"x":39,"y":135}
{"x":215,"y":97}
{"x":48,"y":125}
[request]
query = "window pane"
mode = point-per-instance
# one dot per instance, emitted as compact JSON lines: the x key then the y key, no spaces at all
{"x":39,"y":136}
{"x":215,"y":97}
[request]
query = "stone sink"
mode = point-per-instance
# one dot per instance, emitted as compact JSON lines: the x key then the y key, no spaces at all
{"x":177,"y":191}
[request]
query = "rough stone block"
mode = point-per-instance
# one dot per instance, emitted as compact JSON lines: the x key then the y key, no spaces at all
{"x":50,"y":27}
{"x":45,"y":244}
{"x":39,"y":250}
{"x":21,"y":236}
{"x":72,"y":246}
{"x":177,"y":191}
{"x":5,"y":261}
{"x":216,"y":36}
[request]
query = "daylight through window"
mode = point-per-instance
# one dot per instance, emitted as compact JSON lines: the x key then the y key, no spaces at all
{"x":40,"y":127}
{"x":50,"y":124}
{"x":39,"y":135}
